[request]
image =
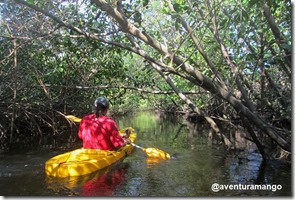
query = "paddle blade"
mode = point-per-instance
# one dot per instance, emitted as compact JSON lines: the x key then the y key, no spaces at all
{"x":156,"y":153}
{"x":153,"y":162}
{"x":73,"y":118}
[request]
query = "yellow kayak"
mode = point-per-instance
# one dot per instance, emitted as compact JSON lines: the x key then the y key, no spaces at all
{"x":85,"y":161}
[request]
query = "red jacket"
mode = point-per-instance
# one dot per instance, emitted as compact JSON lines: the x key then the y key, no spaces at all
{"x":100,"y":133}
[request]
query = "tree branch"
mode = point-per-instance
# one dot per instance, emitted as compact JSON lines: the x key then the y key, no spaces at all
{"x":277,"y":34}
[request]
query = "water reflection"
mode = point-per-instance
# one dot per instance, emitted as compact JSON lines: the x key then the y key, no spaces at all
{"x":244,"y":168}
{"x":101,"y":183}
{"x":153,"y":162}
{"x":106,"y":184}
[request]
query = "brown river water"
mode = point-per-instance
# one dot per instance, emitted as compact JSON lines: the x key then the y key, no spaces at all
{"x":201,"y":168}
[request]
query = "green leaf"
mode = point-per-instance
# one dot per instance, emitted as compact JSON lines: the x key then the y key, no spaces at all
{"x":251,"y":3}
{"x":245,"y":15}
{"x":137,"y":17}
{"x":145,"y":2}
{"x":177,"y":24}
{"x":176,"y":7}
{"x":181,"y":2}
{"x":179,"y":5}
{"x":166,"y":9}
{"x":286,"y":46}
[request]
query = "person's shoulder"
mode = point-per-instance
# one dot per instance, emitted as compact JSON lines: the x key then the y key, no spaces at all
{"x":87,"y":117}
{"x":109,"y":119}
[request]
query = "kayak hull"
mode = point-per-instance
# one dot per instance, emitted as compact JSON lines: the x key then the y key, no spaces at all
{"x":85,"y":161}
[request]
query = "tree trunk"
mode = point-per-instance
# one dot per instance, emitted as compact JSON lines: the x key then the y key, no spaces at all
{"x":14,"y":77}
{"x":276,"y":32}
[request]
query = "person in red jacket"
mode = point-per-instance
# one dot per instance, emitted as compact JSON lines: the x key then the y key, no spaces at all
{"x":99,"y":131}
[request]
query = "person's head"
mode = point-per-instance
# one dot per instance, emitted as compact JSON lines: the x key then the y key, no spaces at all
{"x":101,"y":106}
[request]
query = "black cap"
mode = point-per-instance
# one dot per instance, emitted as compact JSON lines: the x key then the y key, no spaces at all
{"x":101,"y":101}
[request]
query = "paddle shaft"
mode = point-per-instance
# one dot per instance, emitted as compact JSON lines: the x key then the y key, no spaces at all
{"x":135,"y":145}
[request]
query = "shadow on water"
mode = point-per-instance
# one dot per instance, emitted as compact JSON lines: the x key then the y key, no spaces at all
{"x":200,"y":162}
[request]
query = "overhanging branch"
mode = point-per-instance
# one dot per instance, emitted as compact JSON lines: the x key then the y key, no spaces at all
{"x":125,"y":87}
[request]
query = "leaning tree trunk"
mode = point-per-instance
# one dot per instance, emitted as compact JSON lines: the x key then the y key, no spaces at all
{"x":280,"y":40}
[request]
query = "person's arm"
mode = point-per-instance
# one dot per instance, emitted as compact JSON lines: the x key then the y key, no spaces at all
{"x":126,"y":141}
{"x":126,"y":136}
{"x":117,"y":140}
{"x":81,"y":128}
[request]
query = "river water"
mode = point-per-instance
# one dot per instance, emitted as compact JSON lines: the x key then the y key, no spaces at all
{"x":201,"y":167}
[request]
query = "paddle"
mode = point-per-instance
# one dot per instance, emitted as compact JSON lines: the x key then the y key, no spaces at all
{"x":151,"y":152}
{"x":73,"y":118}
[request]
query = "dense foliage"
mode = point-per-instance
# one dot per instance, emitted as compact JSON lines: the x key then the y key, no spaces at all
{"x":219,"y":59}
